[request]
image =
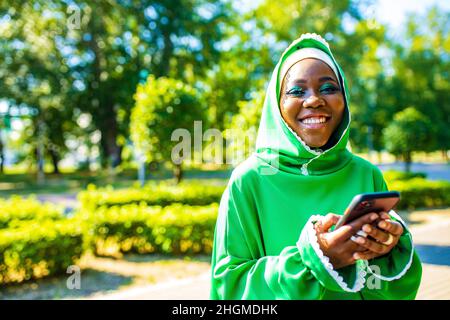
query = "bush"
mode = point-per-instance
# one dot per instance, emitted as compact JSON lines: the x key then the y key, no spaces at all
{"x":36,"y":250}
{"x":17,"y":209}
{"x":421,"y":193}
{"x":176,"y":229}
{"x":161,"y":194}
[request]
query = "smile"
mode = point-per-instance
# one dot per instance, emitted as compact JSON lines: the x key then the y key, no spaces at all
{"x":314,"y":120}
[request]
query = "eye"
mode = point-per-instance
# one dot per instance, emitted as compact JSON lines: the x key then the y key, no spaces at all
{"x":329,"y":88}
{"x":295,"y":91}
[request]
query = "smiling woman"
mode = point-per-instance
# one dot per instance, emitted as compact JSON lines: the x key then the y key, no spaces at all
{"x":274,"y":236}
{"x":312,"y":103}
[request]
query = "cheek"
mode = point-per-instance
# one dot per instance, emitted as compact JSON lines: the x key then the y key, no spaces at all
{"x":290,"y":108}
{"x":337,"y":105}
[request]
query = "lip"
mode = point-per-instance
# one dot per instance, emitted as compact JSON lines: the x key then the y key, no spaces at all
{"x":314,"y":115}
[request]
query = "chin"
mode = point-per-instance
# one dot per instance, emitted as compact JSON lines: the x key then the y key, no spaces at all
{"x":315,"y":143}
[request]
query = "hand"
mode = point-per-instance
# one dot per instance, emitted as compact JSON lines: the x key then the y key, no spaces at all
{"x":385,"y":234}
{"x":336,"y":245}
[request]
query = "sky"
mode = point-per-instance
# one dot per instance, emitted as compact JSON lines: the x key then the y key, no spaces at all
{"x":394,"y":12}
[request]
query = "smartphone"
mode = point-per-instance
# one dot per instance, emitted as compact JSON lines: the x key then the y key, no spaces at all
{"x":369,"y":202}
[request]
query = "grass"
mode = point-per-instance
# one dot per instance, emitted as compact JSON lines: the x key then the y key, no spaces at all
{"x":73,"y":182}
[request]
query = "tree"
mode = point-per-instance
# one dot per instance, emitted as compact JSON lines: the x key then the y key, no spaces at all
{"x":164,"y":38}
{"x":36,"y":76}
{"x":410,"y":131}
{"x":163,"y":106}
{"x":421,"y":67}
{"x":243,"y":128}
{"x":92,"y":65}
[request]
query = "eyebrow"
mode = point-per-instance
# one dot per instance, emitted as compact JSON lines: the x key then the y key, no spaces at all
{"x":321,"y":79}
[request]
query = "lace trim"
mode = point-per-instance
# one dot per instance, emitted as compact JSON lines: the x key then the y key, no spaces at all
{"x":360,"y":267}
{"x":408,"y":265}
{"x":308,"y":148}
{"x":304,"y":167}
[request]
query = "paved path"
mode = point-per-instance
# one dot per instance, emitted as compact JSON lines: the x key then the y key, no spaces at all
{"x":432,"y":240}
{"x":69,"y":201}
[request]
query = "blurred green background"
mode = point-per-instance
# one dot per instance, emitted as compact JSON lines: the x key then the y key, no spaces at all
{"x":91,"y":92}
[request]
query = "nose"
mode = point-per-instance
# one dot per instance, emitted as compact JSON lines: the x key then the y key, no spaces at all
{"x":313,"y":101}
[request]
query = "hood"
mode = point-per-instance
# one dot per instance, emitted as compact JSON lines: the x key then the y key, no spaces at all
{"x":278,"y":145}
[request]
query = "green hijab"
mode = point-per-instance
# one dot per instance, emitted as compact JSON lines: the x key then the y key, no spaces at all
{"x":280,"y":146}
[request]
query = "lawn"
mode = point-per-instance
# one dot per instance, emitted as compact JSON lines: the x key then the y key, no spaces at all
{"x":25,"y":184}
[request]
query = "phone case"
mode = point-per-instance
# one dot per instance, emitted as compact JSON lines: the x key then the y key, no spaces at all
{"x":369,"y":202}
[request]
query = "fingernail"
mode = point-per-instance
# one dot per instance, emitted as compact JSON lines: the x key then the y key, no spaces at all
{"x":382,"y":224}
{"x":367,"y":228}
{"x":360,"y":240}
{"x":356,"y":256}
{"x":373,"y":217}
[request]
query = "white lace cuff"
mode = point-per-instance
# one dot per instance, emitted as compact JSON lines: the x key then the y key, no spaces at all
{"x":309,"y":236}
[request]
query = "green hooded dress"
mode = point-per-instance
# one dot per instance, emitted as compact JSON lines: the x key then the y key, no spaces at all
{"x":265,"y":246}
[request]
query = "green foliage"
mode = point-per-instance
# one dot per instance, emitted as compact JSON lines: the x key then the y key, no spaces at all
{"x":161,"y":194}
{"x":163,"y":105}
{"x":174,"y":229}
{"x":16,"y":209}
{"x":410,"y":131}
{"x":88,"y":56}
{"x":421,"y":193}
{"x":243,"y":128}
{"x":38,"y":249}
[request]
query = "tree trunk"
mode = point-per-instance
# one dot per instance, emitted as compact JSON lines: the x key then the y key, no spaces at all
{"x":445,"y":155}
{"x":105,"y":116}
{"x":2,"y":156}
{"x":109,"y":137}
{"x":178,"y":173}
{"x":408,"y":159}
{"x":55,"y":160}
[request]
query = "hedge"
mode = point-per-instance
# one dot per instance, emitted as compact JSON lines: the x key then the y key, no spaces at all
{"x":421,"y":193}
{"x":36,"y":250}
{"x":17,"y":209}
{"x":161,"y":194}
{"x":175,"y":229}
{"x":392,"y":175}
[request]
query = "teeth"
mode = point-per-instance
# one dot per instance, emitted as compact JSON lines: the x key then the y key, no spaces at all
{"x":314,"y":120}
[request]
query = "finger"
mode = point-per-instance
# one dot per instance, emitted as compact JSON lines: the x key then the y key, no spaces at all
{"x":384,"y":215}
{"x":346,"y":231}
{"x":352,"y":246}
{"x":328,"y":221}
{"x":376,"y":233}
{"x":365,"y":255}
{"x":365,"y":219}
{"x":391,"y":226}
{"x":370,"y":245}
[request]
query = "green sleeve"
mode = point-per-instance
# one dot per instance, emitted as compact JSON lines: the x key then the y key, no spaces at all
{"x":241,"y":270}
{"x":396,"y":275}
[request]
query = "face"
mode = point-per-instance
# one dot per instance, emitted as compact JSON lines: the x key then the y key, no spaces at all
{"x":312,"y":103}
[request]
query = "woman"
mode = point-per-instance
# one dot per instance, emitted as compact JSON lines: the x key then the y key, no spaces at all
{"x":274,"y":238}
